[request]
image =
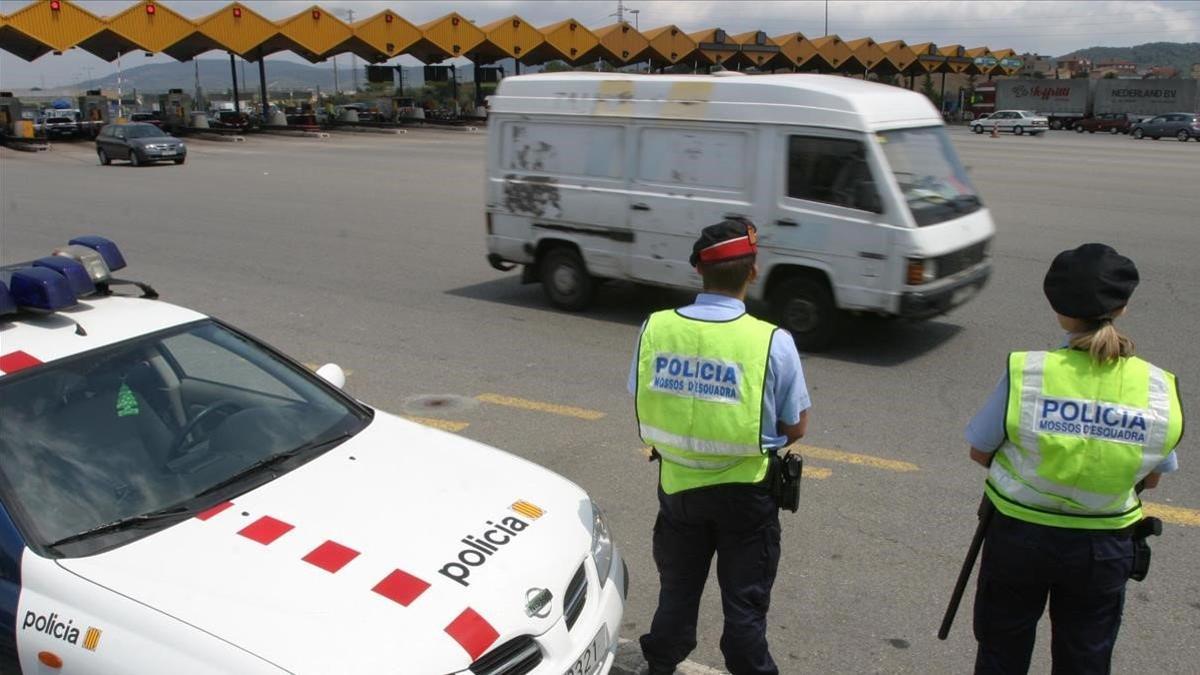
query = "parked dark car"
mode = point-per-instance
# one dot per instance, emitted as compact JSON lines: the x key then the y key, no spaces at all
{"x":1113,"y":123}
{"x":147,"y":117}
{"x":1180,"y":125}
{"x":140,"y":143}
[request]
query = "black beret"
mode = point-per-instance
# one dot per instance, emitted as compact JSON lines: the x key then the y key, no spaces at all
{"x":1090,"y":282}
{"x":729,"y":239}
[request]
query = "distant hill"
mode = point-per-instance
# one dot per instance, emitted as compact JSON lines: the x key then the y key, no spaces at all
{"x":215,"y":76}
{"x":1180,"y":55}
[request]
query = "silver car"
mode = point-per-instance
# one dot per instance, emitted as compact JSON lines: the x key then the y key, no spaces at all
{"x":1017,"y":121}
{"x":140,"y":143}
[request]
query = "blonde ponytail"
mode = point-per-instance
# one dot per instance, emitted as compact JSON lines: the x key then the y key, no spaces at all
{"x":1104,"y":342}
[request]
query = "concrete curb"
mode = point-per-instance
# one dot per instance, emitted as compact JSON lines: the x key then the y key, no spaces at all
{"x":372,"y":130}
{"x":219,"y":137}
{"x":297,"y":133}
{"x":629,"y":661}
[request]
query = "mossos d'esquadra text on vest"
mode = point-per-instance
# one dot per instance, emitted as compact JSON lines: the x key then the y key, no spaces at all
{"x":694,"y":376}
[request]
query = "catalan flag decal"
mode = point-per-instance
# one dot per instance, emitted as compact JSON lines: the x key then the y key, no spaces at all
{"x":528,"y":510}
{"x":91,"y":639}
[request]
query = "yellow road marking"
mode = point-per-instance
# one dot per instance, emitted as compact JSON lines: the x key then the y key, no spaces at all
{"x":854,"y":458}
{"x":539,"y":406}
{"x":1176,"y":515}
{"x":444,"y":425}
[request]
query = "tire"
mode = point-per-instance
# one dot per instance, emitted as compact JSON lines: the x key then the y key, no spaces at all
{"x":134,"y":159}
{"x":1055,"y":124}
{"x":105,"y":160}
{"x":1078,"y":129}
{"x":1091,"y":131}
{"x":181,"y":160}
{"x":1114,"y":131}
{"x":565,"y":279}
{"x":977,"y":129}
{"x":1138,"y":134}
{"x":1183,"y":135}
{"x":805,"y":308}
{"x":1018,"y":130}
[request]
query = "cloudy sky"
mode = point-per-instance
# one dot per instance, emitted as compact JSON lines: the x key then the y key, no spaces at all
{"x":1041,"y":26}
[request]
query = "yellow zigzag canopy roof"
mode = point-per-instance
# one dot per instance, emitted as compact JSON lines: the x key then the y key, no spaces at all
{"x":45,"y":26}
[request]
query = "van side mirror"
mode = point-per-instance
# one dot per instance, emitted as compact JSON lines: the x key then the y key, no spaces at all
{"x":333,"y":374}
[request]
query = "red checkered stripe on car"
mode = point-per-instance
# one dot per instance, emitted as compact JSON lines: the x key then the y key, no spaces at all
{"x":470,"y":630}
{"x":17,"y":361}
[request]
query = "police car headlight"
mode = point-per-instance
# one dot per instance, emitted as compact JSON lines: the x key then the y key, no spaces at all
{"x":602,"y":544}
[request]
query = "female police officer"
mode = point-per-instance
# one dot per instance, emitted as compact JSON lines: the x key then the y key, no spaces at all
{"x":1068,"y":434}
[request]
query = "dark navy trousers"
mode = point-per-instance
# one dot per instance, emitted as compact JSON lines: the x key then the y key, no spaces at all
{"x":1083,"y":576}
{"x":740,"y":524}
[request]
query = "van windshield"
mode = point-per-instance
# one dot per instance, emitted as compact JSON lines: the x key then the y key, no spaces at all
{"x":933,"y":181}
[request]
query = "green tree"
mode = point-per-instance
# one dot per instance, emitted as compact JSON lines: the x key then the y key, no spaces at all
{"x":556,"y":67}
{"x":1110,"y":75}
{"x":929,"y":91}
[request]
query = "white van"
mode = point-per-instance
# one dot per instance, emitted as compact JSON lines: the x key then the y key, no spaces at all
{"x":860,"y":200}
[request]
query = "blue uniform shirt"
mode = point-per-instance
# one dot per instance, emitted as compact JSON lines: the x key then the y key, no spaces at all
{"x":985,"y":431}
{"x":785,"y":392}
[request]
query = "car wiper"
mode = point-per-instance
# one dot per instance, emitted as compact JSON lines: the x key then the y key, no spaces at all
{"x":928,"y":198}
{"x":270,"y":462}
{"x":122,"y":524}
{"x":967,"y":203}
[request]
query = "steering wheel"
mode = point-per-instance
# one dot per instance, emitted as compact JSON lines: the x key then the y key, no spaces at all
{"x":180,"y":440}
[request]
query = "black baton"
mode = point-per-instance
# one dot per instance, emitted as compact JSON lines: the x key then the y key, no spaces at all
{"x":985,"y":517}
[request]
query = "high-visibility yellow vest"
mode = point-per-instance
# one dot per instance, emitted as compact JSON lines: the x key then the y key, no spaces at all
{"x":1079,"y":437}
{"x":700,"y":388}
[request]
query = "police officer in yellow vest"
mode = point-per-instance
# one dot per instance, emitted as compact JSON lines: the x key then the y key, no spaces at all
{"x":1068,"y":436}
{"x":718,"y":392}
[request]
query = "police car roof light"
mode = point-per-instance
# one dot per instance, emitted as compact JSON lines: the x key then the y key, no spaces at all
{"x":73,"y":270}
{"x":7,"y":304}
{"x":91,"y":260}
{"x":105,"y":247}
{"x":41,"y":288}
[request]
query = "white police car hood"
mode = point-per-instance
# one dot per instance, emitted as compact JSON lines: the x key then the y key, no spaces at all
{"x":402,"y":550}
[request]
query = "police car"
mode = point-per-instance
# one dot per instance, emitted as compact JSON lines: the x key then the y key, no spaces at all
{"x":178,"y":497}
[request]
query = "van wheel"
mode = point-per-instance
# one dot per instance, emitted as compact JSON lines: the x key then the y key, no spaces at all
{"x":565,"y":279}
{"x":804,"y":307}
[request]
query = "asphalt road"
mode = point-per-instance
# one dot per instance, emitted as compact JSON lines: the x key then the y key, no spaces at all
{"x":368,"y":251}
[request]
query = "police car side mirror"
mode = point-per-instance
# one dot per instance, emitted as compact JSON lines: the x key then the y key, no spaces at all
{"x":333,"y":374}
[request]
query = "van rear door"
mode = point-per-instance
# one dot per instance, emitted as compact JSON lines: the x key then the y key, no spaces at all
{"x":687,"y":177}
{"x":830,"y":213}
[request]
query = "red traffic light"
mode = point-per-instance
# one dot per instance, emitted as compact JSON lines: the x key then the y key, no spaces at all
{"x":150,"y":9}
{"x":55,"y":5}
{"x":237,"y":12}
{"x":388,"y":18}
{"x":316,"y":14}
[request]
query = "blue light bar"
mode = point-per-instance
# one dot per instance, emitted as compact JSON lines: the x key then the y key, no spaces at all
{"x":41,"y":288}
{"x":7,"y":304}
{"x":76,"y":274}
{"x":105,"y":247}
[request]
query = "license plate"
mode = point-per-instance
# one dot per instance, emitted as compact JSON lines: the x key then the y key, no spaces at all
{"x":962,"y":295}
{"x":592,"y":658}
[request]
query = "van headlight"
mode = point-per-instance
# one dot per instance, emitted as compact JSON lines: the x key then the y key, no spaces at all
{"x":920,"y":271}
{"x":602,"y":544}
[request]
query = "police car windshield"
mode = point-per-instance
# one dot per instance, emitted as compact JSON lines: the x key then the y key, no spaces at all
{"x":933,"y":181}
{"x":151,"y":425}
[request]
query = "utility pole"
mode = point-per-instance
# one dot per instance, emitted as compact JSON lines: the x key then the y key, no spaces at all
{"x":196,"y":84}
{"x":349,"y":13}
{"x":336,"y":90}
{"x":635,"y":13}
{"x":827,"y":17}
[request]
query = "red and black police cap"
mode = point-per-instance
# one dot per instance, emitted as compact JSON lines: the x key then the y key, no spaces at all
{"x":729,"y":239}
